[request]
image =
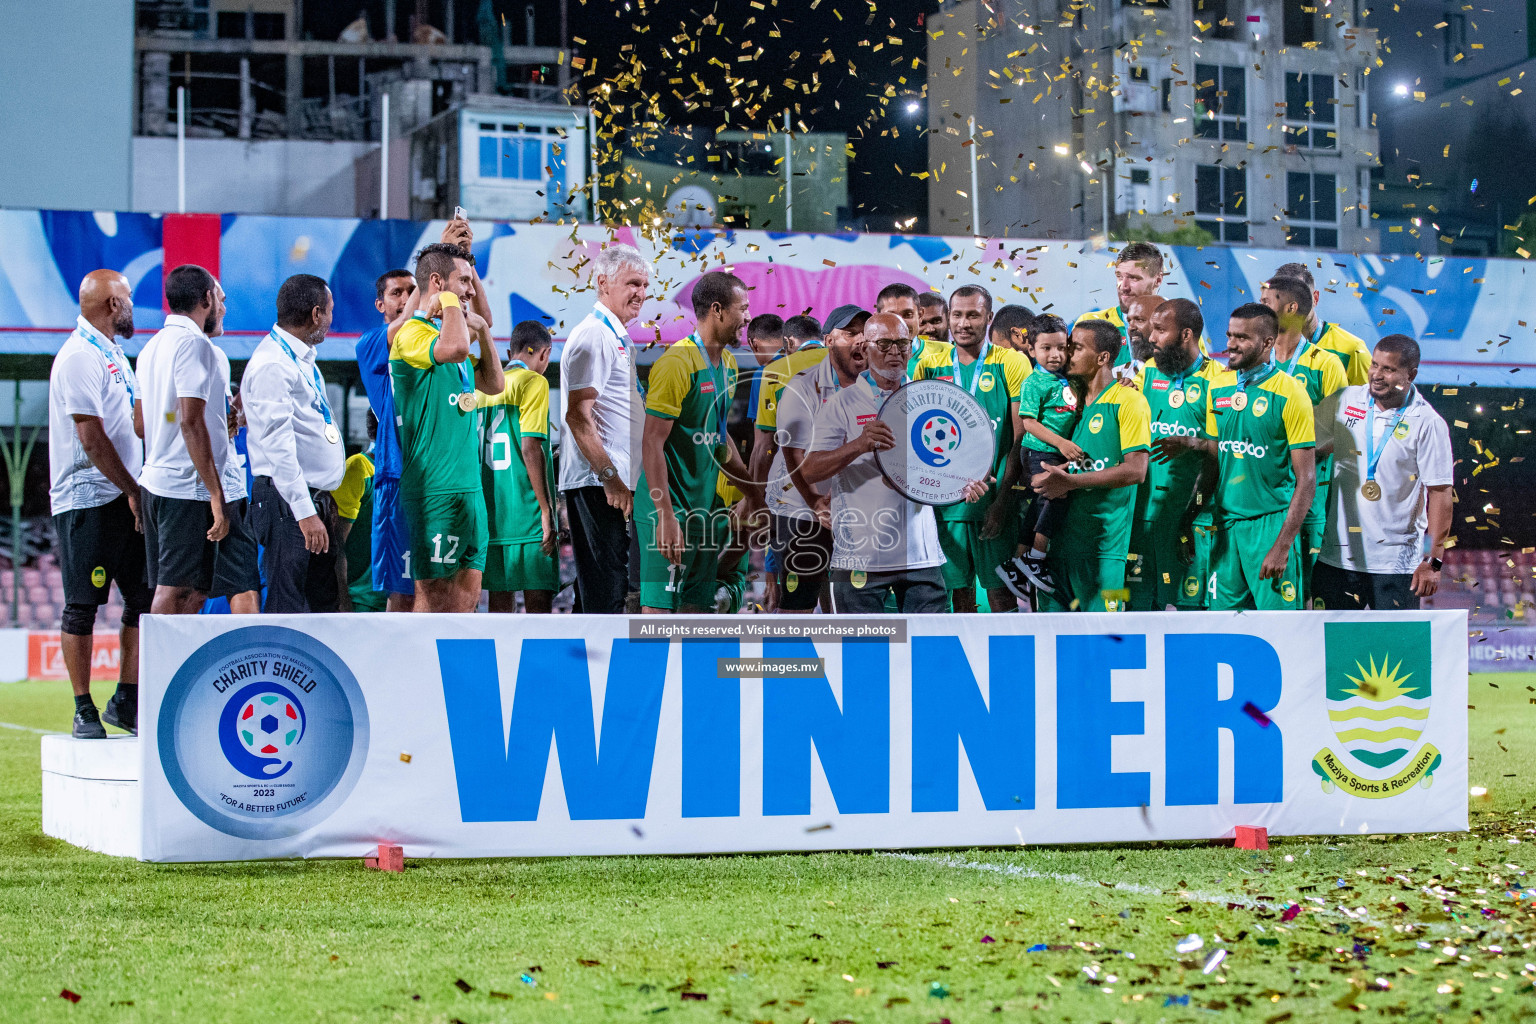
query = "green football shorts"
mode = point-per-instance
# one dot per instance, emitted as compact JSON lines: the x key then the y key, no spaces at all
{"x":1235,"y":562}
{"x":448,"y":533}
{"x":524,"y":566}
{"x":967,"y":557}
{"x":1156,"y":572}
{"x":1194,"y":591}
{"x":1089,"y":584}
{"x":690,"y":583}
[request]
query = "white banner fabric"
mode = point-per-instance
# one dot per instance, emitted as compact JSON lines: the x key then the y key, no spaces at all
{"x":512,"y":735}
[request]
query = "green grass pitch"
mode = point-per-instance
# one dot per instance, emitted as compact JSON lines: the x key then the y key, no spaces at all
{"x":1419,"y":928}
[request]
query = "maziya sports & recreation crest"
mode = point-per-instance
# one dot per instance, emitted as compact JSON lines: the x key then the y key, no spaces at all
{"x":1379,"y":681}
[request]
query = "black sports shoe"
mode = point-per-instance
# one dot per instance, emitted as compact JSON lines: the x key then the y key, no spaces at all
{"x":122,"y":714}
{"x":88,"y":728}
{"x":1011,"y":573}
{"x":1037,"y":574}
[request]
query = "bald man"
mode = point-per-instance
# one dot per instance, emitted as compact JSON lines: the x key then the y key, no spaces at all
{"x":94,"y":458}
{"x":882,"y":543}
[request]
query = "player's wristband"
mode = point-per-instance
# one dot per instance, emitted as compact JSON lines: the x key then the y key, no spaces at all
{"x":448,"y":299}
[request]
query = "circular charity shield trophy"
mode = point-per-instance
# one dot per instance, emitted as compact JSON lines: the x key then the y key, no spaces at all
{"x":944,"y":440}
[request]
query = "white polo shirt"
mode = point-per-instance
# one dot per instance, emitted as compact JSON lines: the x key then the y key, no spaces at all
{"x":180,"y":362}
{"x":233,"y":477}
{"x":598,"y":354}
{"x":799,"y":405}
{"x":90,"y":377}
{"x":1387,"y":535}
{"x":873,"y":527}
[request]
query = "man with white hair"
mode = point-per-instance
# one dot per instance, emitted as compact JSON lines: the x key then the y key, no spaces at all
{"x":603,"y":418}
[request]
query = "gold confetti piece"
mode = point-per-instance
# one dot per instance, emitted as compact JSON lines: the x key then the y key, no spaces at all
{"x":405,"y":757}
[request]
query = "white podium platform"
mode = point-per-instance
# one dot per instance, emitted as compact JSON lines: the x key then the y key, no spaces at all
{"x":91,"y":793}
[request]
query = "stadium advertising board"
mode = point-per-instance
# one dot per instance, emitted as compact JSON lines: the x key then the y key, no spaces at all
{"x":485,"y":735}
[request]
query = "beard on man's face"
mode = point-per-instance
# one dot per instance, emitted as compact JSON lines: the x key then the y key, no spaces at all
{"x":1173,"y":362}
{"x":122,"y":325}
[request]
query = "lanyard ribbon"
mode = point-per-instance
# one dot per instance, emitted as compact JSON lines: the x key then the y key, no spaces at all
{"x":321,"y":404}
{"x":986,"y":346}
{"x":1258,"y":375}
{"x":1301,"y":348}
{"x":112,"y":362}
{"x":1372,"y":452}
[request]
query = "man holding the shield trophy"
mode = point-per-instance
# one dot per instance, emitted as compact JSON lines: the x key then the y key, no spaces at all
{"x":883,"y":542}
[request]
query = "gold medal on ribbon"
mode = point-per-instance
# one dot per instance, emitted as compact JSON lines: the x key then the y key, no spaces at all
{"x":467,"y":400}
{"x":1370,"y":490}
{"x":1240,"y":401}
{"x":1175,"y":399}
{"x":332,"y":434}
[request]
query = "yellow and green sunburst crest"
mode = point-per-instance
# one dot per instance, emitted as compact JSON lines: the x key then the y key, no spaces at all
{"x":1381,"y":684}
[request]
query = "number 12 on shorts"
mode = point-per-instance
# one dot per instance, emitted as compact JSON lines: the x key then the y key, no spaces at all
{"x":437,"y":549}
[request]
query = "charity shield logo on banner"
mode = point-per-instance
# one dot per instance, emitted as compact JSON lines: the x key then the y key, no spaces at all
{"x":263,"y":732}
{"x":1379,"y":678}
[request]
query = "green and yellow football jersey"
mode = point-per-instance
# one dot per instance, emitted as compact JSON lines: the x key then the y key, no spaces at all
{"x":1111,"y":427}
{"x":1177,"y":409}
{"x":696,"y":396}
{"x":521,"y":410}
{"x":776,"y":376}
{"x":1116,"y":316}
{"x":994,"y":380}
{"x":1256,"y":418}
{"x":1352,"y":352}
{"x":923,"y":345}
{"x":354,"y":503}
{"x":1322,"y":375}
{"x":1050,"y":399}
{"x":439,"y":442}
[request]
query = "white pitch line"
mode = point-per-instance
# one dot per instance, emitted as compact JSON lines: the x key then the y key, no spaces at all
{"x":1015,"y":871}
{"x":28,"y":728}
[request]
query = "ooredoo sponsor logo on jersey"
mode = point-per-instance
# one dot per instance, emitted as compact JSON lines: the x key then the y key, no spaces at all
{"x":1245,"y":449}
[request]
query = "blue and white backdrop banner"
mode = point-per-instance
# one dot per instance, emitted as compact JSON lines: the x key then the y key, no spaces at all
{"x":493,"y":736}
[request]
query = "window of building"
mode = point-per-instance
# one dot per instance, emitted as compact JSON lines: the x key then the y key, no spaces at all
{"x":264,"y":25}
{"x":1221,"y":103}
{"x":1310,"y":118}
{"x":1304,"y":22}
{"x":1213,"y":19}
{"x":1312,"y":210}
{"x":1139,"y":74}
{"x":1220,"y":199}
{"x":519,"y":152}
{"x":1362,"y":104}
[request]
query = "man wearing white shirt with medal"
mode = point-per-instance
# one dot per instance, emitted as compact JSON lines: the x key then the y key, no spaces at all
{"x":600,"y":449}
{"x":94,"y":458}
{"x":1392,"y":500}
{"x":296,"y":452}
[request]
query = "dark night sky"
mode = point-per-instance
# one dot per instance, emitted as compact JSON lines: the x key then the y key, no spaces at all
{"x":845,"y":100}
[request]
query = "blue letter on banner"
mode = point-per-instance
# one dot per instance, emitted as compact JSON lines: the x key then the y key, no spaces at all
{"x":1196,"y":716}
{"x":854,"y":743}
{"x":711,"y":732}
{"x":503,"y":782}
{"x":1086,"y":719}
{"x":947,"y":710}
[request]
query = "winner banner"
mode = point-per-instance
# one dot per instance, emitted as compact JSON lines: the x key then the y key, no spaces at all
{"x":511,"y":735}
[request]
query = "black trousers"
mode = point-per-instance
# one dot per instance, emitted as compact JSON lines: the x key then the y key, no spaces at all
{"x":600,"y":545}
{"x":1348,"y":590}
{"x":297,"y":581}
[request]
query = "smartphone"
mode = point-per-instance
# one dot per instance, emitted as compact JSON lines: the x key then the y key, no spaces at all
{"x":459,"y":214}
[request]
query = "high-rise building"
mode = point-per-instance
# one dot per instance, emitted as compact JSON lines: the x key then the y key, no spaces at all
{"x":1245,"y":118}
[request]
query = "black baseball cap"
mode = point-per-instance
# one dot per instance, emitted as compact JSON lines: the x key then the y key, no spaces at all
{"x":842,"y":316}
